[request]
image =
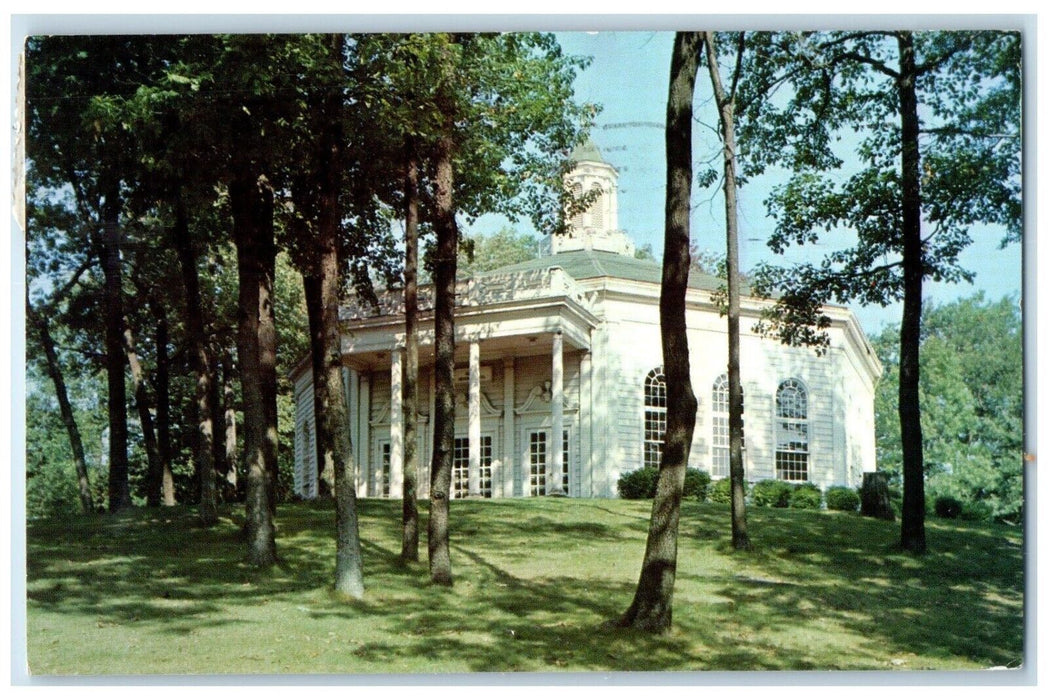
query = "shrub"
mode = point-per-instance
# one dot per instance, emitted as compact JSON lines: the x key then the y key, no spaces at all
{"x":842,"y":498}
{"x":696,"y":484}
{"x":977,"y":510}
{"x":806,"y":497}
{"x":720,"y":491}
{"x":638,"y":484}
{"x":947,"y":507}
{"x":772,"y":493}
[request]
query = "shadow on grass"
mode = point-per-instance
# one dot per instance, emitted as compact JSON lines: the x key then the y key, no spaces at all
{"x":535,"y":580}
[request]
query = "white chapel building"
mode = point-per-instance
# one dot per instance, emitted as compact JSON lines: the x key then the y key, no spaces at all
{"x":559,"y":383}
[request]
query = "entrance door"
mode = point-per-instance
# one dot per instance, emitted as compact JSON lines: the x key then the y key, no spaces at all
{"x":537,"y":454}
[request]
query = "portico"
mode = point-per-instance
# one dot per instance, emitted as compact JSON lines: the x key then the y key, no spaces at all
{"x":510,"y":337}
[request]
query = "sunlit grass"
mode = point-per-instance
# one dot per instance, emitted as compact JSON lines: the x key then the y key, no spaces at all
{"x":150,"y":592}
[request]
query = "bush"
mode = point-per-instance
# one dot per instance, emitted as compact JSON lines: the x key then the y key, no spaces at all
{"x":720,"y":491}
{"x":977,"y":510}
{"x":638,"y":484}
{"x":806,"y":497}
{"x":772,"y":493}
{"x":947,"y":507}
{"x":842,"y":498}
{"x":696,"y":484}
{"x":641,"y":484}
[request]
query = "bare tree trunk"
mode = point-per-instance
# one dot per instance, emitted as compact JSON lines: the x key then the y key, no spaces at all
{"x":138,"y":384}
{"x":312,"y":287}
{"x":726,"y":107}
{"x":229,"y":407}
{"x":444,"y":366}
{"x":119,"y":488}
{"x":652,"y":607}
{"x":912,"y":537}
{"x":54,"y":370}
{"x":201,"y":360}
{"x":409,"y":540}
{"x":251,"y":201}
{"x":163,"y":409}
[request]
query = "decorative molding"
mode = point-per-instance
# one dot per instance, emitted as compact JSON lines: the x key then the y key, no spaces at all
{"x":539,"y":399}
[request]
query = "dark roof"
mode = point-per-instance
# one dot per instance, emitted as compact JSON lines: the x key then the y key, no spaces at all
{"x":588,"y":264}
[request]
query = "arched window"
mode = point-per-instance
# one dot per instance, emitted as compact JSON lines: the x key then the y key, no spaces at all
{"x":576,"y":193}
{"x":721,"y":442}
{"x":791,"y":431}
{"x":596,"y":209}
{"x":654,"y":416}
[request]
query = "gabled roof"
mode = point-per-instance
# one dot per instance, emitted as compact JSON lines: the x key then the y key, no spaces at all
{"x":589,"y":264}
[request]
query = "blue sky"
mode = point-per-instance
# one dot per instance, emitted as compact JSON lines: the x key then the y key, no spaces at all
{"x":628,"y":77}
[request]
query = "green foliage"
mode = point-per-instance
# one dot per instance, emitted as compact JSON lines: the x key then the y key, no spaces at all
{"x":843,"y":498}
{"x":772,"y":493}
{"x":971,"y":403}
{"x":638,"y":484}
{"x":806,"y":497}
{"x":720,"y":491}
{"x":696,"y":484}
{"x":641,"y":484}
{"x":947,"y":507}
{"x":504,"y":247}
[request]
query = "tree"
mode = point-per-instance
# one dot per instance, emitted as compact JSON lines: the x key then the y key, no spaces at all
{"x":652,"y":606}
{"x":316,"y":192}
{"x":490,"y":120}
{"x":504,"y":247}
{"x":971,"y":404}
{"x":725,"y":100}
{"x":938,"y":117}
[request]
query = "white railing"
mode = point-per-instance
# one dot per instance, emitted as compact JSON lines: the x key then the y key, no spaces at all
{"x":482,"y":290}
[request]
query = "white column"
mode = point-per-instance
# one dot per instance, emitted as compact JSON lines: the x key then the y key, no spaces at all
{"x":396,"y":424}
{"x":474,"y":419}
{"x":508,"y":426}
{"x":364,"y":474}
{"x":555,"y":460}
{"x":585,"y":485}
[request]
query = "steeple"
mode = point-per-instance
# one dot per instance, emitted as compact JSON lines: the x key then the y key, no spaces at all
{"x":597,"y":228}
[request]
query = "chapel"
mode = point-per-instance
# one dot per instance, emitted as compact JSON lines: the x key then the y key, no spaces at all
{"x":559,"y":381}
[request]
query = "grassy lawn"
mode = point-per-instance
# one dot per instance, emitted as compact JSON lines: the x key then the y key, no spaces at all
{"x":149,"y":592}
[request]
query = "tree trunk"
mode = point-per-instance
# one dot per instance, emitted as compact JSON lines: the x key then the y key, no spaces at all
{"x":155,"y":469}
{"x":251,"y":201}
{"x":218,"y":436}
{"x":726,"y":107}
{"x":333,"y":421}
{"x":652,"y":607}
{"x":876,"y":502}
{"x":230,"y":448}
{"x":409,"y":540}
{"x":166,"y":494}
{"x":912,"y":537}
{"x":54,"y":370}
{"x":119,"y":488}
{"x":312,"y":288}
{"x":444,"y":366}
{"x":201,"y":361}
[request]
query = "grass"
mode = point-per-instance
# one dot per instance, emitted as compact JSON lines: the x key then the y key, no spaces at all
{"x":149,"y":592}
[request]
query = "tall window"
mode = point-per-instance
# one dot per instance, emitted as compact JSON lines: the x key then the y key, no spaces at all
{"x":379,"y":485}
{"x":721,"y":452}
{"x":596,"y":209}
{"x":540,"y":442}
{"x":791,"y":431}
{"x":537,"y":462}
{"x":576,"y":192}
{"x":654,"y":416}
{"x":460,"y":467}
